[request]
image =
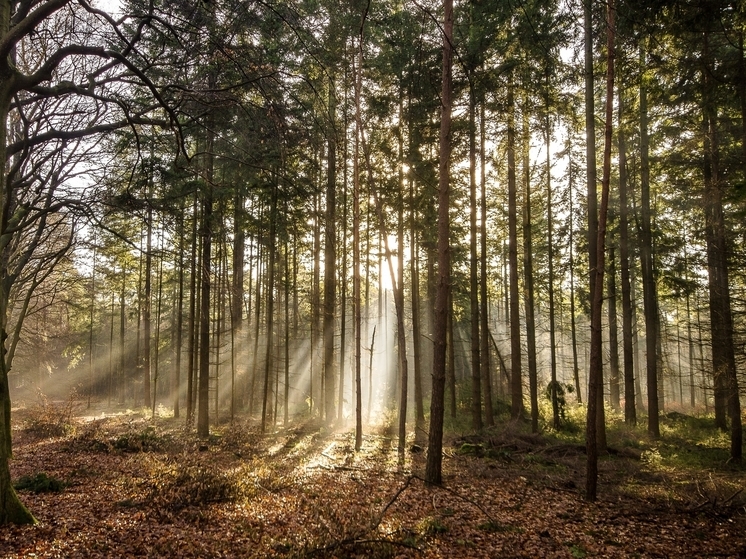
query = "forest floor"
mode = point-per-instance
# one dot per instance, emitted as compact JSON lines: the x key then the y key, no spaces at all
{"x":128,"y":486}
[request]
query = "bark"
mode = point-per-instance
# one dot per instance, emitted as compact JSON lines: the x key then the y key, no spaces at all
{"x":330,"y":259}
{"x":178,"y":333}
{"x":489,"y":414}
{"x":573,"y":328}
{"x":203,"y":388}
{"x":476,"y":372}
{"x":550,"y":270}
{"x":270,"y":292}
{"x":592,"y":197}
{"x":595,"y":375}
{"x":356,"y":295}
{"x":203,"y":379}
{"x":433,"y":468}
{"x":614,"y":395}
{"x":419,"y":406}
{"x":156,"y":350}
{"x":528,"y":278}
{"x":646,"y":258}
{"x":630,"y":414}
{"x":146,"y":323}
{"x":721,"y":317}
{"x":192,"y":322}
{"x":11,"y":508}
{"x":516,"y":387}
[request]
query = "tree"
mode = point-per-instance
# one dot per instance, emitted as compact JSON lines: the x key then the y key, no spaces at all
{"x":433,"y":471}
{"x":596,"y":358}
{"x":62,"y":78}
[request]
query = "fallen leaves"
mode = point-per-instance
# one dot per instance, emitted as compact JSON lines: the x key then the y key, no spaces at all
{"x":305,"y":493}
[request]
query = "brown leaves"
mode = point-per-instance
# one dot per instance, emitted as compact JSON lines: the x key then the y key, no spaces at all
{"x":305,"y":493}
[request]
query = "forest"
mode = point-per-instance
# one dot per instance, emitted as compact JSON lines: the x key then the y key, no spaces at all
{"x":300,"y":278}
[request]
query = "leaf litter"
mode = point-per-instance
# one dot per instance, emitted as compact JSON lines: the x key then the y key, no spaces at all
{"x":143,"y":488}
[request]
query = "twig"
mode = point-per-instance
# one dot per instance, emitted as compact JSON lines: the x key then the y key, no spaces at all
{"x":729,"y":499}
{"x":444,"y":488}
{"x":392,"y":501}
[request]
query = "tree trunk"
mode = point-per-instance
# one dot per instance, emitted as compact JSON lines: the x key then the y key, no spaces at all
{"x":630,"y":414}
{"x":489,"y":413}
{"x":528,"y":276}
{"x":356,"y":295}
{"x":433,"y":468}
{"x":146,"y":350}
{"x":646,"y":260}
{"x":270,"y":295}
{"x":11,"y":508}
{"x":550,"y":268}
{"x":573,"y":327}
{"x":595,"y":374}
{"x":192,"y":322}
{"x":203,"y":389}
{"x":330,"y":259}
{"x":614,"y":396}
{"x":516,"y":387}
{"x":476,"y":372}
{"x":721,"y":317}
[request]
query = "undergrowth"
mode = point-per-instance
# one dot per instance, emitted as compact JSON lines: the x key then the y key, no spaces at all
{"x":48,"y":418}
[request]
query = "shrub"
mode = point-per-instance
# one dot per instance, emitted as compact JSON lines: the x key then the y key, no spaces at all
{"x":52,"y":419}
{"x":181,"y":484}
{"x":40,"y":483}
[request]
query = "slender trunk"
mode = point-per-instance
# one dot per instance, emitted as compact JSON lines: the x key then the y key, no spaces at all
{"x":516,"y":409}
{"x":315,"y":303}
{"x":550,"y":269}
{"x":356,"y":299}
{"x":646,"y":258}
{"x":489,"y":413}
{"x":592,"y":197}
{"x":330,"y":259}
{"x":476,"y":373}
{"x":595,"y":376}
{"x":257,"y":318}
{"x":573,"y":326}
{"x":528,"y":271}
{"x":614,"y":396}
{"x":203,"y":389}
{"x":179,"y":326}
{"x":158,"y":306}
{"x":343,"y":285}
{"x":90,"y":325}
{"x":450,"y":358}
{"x":146,"y":324}
{"x":270,"y":303}
{"x":192,"y":322}
{"x":122,"y":336}
{"x":630,"y":414}
{"x":414,"y":263}
{"x":433,"y":469}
